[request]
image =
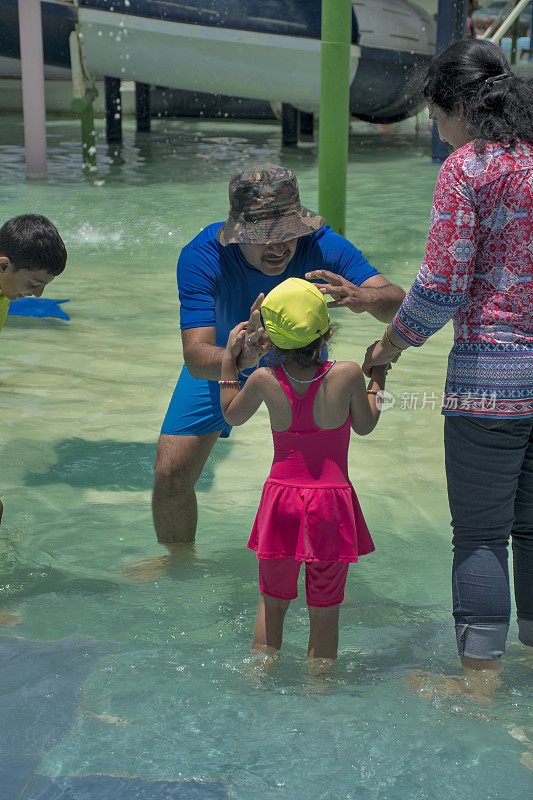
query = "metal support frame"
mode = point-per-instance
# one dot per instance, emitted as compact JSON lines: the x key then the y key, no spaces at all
{"x":514,"y":38}
{"x":142,"y":106}
{"x":497,"y":21}
{"x":307,"y":124}
{"x":531,"y":34}
{"x":509,"y":18}
{"x":451,"y":26}
{"x":113,"y":110}
{"x":289,"y":125}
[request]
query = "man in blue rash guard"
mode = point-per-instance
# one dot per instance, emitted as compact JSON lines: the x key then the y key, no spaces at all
{"x":222,"y":274}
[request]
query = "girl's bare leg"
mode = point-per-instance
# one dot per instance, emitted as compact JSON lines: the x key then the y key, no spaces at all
{"x":268,"y":631}
{"x":323,"y":638}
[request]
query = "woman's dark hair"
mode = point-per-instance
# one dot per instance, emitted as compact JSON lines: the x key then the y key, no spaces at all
{"x":308,"y":356}
{"x":496,"y":110}
{"x":31,"y":241}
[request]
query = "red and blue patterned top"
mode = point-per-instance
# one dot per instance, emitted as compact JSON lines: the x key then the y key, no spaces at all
{"x":478,"y":271}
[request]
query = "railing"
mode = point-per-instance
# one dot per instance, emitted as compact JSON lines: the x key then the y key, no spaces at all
{"x":504,"y":20}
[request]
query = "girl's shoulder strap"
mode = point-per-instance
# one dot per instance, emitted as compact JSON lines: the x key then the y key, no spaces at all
{"x":310,"y":394}
{"x":285,"y":384}
{"x":306,"y":419}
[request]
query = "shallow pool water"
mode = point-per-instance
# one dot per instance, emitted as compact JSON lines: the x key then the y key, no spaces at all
{"x":170,"y":691}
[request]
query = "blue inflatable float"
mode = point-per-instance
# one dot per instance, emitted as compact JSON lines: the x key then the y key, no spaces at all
{"x":37,"y":307}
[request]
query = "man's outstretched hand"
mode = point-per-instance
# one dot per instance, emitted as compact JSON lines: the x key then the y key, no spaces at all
{"x":344,"y":293}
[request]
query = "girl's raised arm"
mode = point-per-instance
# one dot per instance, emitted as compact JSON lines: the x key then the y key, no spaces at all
{"x":363,"y":403}
{"x":237,"y":404}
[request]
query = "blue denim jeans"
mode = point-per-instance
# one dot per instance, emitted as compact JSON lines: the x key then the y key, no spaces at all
{"x":489,"y":469}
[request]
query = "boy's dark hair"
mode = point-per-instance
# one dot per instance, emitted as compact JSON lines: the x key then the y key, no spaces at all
{"x":496,"y":111}
{"x":31,"y":241}
{"x":310,"y":355}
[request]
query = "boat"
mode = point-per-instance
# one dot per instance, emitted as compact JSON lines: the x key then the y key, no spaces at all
{"x":262,"y":49}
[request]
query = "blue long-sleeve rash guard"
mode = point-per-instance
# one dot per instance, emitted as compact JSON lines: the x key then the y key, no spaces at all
{"x":217,"y":286}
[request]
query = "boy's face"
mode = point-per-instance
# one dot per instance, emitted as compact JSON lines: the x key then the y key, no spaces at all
{"x":18,"y":283}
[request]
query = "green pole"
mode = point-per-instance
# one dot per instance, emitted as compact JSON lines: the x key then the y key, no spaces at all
{"x":84,"y":107}
{"x":334,"y":111}
{"x":88,"y":137}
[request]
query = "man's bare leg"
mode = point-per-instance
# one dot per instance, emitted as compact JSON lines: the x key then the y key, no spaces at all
{"x":179,"y":463}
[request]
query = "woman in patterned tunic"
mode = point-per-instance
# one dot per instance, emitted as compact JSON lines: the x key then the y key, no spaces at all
{"x":477,"y":270}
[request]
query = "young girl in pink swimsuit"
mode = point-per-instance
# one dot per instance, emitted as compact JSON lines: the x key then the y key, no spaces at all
{"x":309,"y":510}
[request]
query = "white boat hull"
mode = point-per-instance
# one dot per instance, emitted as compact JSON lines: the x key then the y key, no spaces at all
{"x":198,"y":58}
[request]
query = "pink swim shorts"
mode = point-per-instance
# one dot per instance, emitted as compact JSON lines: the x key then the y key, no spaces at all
{"x":324,"y":580}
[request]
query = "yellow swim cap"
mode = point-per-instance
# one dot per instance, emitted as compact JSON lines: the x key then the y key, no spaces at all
{"x":294,"y":314}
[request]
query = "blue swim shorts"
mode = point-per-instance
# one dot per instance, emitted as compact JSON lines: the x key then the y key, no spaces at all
{"x":195,"y":408}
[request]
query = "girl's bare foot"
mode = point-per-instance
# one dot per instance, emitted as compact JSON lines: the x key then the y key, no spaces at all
{"x":259,"y":666}
{"x":319,"y":666}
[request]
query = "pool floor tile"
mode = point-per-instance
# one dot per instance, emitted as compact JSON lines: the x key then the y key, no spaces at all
{"x":15,"y":774}
{"x":40,"y":686}
{"x":111,"y":787}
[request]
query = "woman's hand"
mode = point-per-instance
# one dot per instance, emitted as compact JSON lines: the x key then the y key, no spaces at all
{"x":379,"y":353}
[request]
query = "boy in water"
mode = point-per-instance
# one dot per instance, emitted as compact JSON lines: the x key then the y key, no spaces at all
{"x":32,"y":254}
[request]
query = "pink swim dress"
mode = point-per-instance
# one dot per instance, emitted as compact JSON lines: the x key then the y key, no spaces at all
{"x":308,"y":509}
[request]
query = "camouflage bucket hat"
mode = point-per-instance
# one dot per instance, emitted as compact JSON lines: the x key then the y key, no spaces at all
{"x":265,"y":208}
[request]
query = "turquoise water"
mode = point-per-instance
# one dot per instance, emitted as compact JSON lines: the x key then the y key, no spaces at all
{"x":82,"y":402}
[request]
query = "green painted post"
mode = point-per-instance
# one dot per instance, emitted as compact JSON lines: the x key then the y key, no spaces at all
{"x":84,"y":107}
{"x":88,"y":137}
{"x":82,"y":102}
{"x":334,"y":111}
